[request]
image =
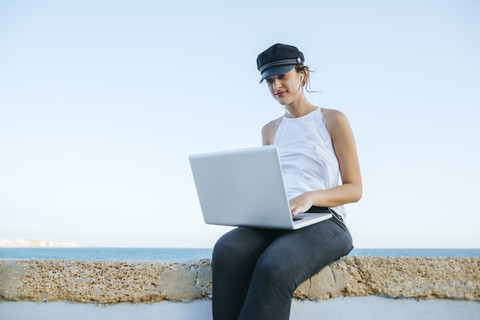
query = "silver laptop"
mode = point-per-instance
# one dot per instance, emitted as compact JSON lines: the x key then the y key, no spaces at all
{"x":245,"y":187}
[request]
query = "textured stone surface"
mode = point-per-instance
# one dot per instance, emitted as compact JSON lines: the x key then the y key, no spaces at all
{"x":180,"y":282}
{"x":136,"y":281}
{"x":10,"y":274}
{"x":448,"y":278}
{"x":328,"y":283}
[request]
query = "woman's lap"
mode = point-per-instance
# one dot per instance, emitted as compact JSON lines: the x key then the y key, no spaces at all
{"x":267,"y":266}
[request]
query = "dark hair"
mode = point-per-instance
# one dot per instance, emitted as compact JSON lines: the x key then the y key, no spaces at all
{"x":301,"y":68}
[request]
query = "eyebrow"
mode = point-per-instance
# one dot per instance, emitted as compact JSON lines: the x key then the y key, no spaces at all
{"x":276,"y":76}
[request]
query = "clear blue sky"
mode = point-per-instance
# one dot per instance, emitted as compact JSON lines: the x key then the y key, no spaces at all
{"x":101,"y":102}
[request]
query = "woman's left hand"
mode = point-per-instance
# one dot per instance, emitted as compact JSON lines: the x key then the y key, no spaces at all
{"x":301,"y":203}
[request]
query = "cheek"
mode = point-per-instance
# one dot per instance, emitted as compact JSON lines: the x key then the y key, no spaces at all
{"x":270,"y":89}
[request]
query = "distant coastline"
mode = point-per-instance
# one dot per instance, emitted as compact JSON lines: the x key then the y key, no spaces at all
{"x":21,"y":243}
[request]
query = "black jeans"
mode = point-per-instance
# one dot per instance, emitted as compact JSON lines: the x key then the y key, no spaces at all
{"x":256,"y":271}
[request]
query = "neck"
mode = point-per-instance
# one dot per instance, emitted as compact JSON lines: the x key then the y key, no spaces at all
{"x":300,"y":107}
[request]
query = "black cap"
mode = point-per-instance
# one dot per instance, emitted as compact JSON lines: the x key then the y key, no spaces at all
{"x":278,"y":59}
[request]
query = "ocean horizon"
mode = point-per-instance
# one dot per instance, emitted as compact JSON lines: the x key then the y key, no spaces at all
{"x":157,"y":254}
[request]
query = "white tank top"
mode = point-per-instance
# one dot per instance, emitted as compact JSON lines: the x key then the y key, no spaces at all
{"x":307,"y":156}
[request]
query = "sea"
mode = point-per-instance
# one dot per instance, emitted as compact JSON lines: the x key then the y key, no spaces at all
{"x":159,"y":254}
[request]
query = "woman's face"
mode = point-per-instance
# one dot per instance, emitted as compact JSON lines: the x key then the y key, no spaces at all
{"x":285,"y":88}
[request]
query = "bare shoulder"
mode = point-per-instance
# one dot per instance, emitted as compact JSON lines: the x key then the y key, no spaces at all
{"x":335,"y":120}
{"x":333,"y":116}
{"x":272,"y":124}
{"x":269,"y":130}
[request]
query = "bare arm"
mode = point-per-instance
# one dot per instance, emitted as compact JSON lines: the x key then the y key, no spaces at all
{"x":268,"y":132}
{"x":346,"y":152}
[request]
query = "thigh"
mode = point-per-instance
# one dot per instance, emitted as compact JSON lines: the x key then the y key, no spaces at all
{"x":303,"y":253}
{"x":244,"y":243}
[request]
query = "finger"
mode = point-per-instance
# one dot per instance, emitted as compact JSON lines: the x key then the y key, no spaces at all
{"x":292,"y":210}
{"x":299,"y":210}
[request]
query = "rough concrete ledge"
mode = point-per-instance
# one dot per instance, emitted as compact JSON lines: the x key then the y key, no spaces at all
{"x":105,"y":282}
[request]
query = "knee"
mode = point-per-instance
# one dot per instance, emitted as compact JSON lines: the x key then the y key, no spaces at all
{"x":275,"y":272}
{"x":227,"y":251}
{"x":220,"y":249}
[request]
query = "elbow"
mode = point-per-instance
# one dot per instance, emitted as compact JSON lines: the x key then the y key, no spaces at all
{"x":357,"y":197}
{"x":356,"y":194}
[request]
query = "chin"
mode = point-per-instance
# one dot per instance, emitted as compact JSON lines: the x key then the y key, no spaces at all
{"x":283,"y":101}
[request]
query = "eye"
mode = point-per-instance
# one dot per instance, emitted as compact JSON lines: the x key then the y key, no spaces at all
{"x":282,"y":76}
{"x":269,"y":81}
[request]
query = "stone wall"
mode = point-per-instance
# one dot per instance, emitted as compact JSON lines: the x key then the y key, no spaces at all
{"x":105,"y":282}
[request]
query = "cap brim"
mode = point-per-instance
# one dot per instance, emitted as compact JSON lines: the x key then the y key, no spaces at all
{"x":276,"y":71}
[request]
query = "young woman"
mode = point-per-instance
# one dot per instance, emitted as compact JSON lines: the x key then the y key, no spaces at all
{"x":256,"y":271}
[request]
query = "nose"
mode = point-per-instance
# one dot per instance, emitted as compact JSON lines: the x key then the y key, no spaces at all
{"x":276,"y":84}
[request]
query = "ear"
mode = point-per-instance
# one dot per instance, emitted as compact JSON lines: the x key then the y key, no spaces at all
{"x":303,"y":76}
